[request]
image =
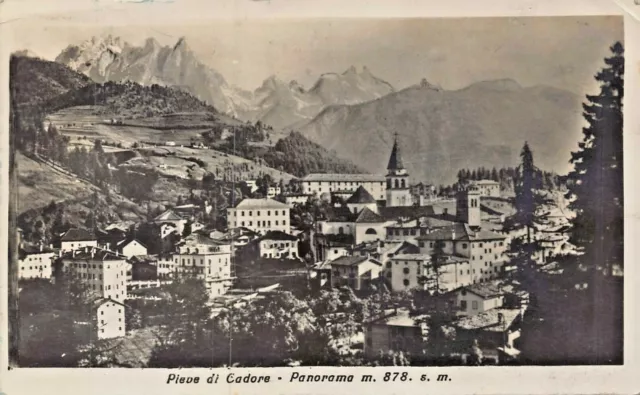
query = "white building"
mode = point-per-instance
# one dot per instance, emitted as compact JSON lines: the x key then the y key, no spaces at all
{"x":356,"y":272}
{"x":260,"y":215}
{"x":35,"y":262}
{"x":487,"y":187}
{"x":77,"y":238}
{"x":170,"y":217}
{"x":319,"y":183}
{"x":478,"y":298}
{"x":109,"y":318}
{"x":131,"y":247}
{"x":206,"y":259}
{"x":276,"y":244}
{"x":104,"y":272}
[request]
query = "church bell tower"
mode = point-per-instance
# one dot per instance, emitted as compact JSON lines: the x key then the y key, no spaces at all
{"x":398,"y":193}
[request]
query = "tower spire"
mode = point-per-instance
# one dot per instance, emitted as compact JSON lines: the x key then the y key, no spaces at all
{"x":395,"y":160}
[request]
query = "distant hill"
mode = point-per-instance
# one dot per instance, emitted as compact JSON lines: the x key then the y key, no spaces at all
{"x":441,"y":131}
{"x":282,"y":104}
{"x":297,"y":155}
{"x":275,"y":102}
{"x":34,"y":81}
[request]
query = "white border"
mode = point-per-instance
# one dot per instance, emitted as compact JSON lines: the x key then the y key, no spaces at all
{"x":489,"y":380}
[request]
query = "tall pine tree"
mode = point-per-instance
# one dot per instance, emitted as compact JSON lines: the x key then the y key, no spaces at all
{"x":596,"y":189}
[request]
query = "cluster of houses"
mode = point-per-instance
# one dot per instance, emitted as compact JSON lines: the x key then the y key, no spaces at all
{"x":382,"y":232}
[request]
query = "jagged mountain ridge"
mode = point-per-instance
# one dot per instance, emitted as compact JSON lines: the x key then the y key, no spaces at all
{"x":442,"y":131}
{"x":275,"y":102}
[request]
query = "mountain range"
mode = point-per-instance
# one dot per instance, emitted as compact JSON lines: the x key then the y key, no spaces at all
{"x":440,"y":131}
{"x":275,"y":102}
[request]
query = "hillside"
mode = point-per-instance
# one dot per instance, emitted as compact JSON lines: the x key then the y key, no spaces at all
{"x":34,"y":81}
{"x":130,"y":100}
{"x":441,"y":131}
{"x":297,"y":155}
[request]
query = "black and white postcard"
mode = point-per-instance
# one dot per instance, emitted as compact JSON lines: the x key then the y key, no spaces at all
{"x":394,"y":198}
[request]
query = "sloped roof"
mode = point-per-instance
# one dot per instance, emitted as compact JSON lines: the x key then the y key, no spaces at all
{"x":461,"y":232}
{"x":412,"y":212}
{"x":352,"y":261}
{"x":95,"y":254}
{"x":261,"y":204}
{"x":361,"y":196}
{"x":367,"y":216}
{"x":76,"y":234}
{"x":343,"y":177}
{"x":100,"y":301}
{"x":278,"y":235}
{"x":168,"y":215}
{"x":395,"y":160}
{"x":489,"y":320}
{"x":198,"y":238}
{"x":339,"y":214}
{"x":128,"y":241}
{"x":484,"y":290}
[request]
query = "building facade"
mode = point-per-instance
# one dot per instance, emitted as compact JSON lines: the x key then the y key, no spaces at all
{"x":103,"y":271}
{"x":319,"y":183}
{"x":260,"y":215}
{"x":35,"y":262}
{"x":109,"y":318}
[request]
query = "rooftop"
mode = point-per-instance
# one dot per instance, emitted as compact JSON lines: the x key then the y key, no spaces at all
{"x":484,"y":290}
{"x":367,"y":216}
{"x":30,"y":249}
{"x":343,"y":177}
{"x":410,"y":212}
{"x":462,"y":232}
{"x":485,"y":182}
{"x":168,"y":215}
{"x":261,"y":204}
{"x":76,"y":234}
{"x":94,"y":254}
{"x":352,"y":261}
{"x":395,"y":160}
{"x":494,"y":320}
{"x":278,"y":235}
{"x":361,"y":196}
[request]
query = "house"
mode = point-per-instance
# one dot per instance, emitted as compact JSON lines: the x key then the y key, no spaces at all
{"x":204,"y":258}
{"x":492,"y":330}
{"x":478,"y":298}
{"x":251,"y":185}
{"x":487,"y":187}
{"x":167,"y":266}
{"x":103,"y":271}
{"x":484,"y":250}
{"x":356,"y":272}
{"x":144,"y":268}
{"x":330,"y":247}
{"x":170,"y":217}
{"x":415,"y":271}
{"x":77,"y":238}
{"x":260,"y":215}
{"x":411,"y":229}
{"x":319,"y":183}
{"x":394,"y":330}
{"x":237,"y":237}
{"x":109,"y":318}
{"x":276,"y":244}
{"x":131,"y":247}
{"x":35,"y":261}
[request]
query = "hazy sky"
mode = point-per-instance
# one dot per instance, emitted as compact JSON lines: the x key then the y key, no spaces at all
{"x":564,"y":52}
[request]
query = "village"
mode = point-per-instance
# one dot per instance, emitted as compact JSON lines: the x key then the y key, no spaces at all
{"x":375,"y":234}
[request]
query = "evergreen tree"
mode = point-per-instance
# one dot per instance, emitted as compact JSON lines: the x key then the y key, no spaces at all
{"x":596,"y":185}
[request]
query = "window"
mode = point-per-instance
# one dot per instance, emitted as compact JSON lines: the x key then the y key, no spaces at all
{"x":406,"y":270}
{"x":474,"y":305}
{"x":258,"y":213}
{"x":463,"y":304}
{"x":406,"y":283}
{"x":421,"y":244}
